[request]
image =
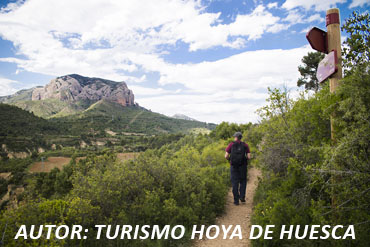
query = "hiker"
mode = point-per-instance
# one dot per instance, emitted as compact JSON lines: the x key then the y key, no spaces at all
{"x":238,"y":153}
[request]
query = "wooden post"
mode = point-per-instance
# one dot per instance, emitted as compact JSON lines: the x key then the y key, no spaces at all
{"x":334,"y":43}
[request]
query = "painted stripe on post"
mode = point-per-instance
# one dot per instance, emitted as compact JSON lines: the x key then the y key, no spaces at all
{"x":332,"y":18}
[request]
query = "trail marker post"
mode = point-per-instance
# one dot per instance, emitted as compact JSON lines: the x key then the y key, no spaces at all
{"x":334,"y":43}
{"x":329,"y":43}
{"x":331,"y":67}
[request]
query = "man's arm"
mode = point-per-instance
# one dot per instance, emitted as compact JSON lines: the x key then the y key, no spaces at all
{"x":248,"y":151}
{"x":227,"y":155}
{"x":228,"y":151}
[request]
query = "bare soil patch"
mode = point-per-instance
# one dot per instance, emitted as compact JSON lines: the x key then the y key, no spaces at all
{"x":49,"y":164}
{"x":5,"y":175}
{"x":126,"y":156}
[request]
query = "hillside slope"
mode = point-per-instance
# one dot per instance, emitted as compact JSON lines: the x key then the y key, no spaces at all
{"x":22,"y":95}
{"x":74,"y":110}
{"x":21,"y":129}
{"x":128,"y":119}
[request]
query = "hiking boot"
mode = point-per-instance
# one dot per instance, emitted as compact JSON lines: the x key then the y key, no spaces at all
{"x":236,"y":203}
{"x":242,"y":200}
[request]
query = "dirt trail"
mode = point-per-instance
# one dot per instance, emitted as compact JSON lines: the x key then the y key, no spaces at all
{"x":236,"y":215}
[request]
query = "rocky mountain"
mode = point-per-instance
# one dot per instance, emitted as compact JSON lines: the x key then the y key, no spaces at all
{"x":99,"y":104}
{"x":184,"y":117}
{"x":72,"y":108}
{"x":70,"y":94}
{"x":74,"y":87}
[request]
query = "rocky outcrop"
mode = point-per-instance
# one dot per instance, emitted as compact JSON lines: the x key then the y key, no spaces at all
{"x":75,"y":87}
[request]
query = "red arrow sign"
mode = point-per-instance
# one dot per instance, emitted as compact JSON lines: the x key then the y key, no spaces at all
{"x":318,"y":39}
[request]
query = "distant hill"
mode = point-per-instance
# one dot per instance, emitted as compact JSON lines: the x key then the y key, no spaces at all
{"x":184,"y":117}
{"x":130,"y":119}
{"x":17,"y":122}
{"x":85,"y":104}
{"x":20,"y":129}
{"x":22,"y":95}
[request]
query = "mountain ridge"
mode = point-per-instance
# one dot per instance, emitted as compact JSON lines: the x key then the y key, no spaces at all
{"x":97,"y":104}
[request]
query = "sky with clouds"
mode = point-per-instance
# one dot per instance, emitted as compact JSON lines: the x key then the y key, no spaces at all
{"x":209,"y":59}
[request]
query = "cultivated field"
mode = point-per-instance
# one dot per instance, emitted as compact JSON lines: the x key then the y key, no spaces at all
{"x":49,"y":164}
{"x":59,"y":162}
{"x":127,"y":156}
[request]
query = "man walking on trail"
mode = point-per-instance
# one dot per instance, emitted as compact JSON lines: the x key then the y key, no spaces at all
{"x":238,"y":153}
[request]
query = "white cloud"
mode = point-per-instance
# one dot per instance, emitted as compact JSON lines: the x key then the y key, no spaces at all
{"x":305,"y":30}
{"x":202,"y":108}
{"x":143,"y":92}
{"x":133,"y":79}
{"x":253,"y":25}
{"x":315,"y":17}
{"x":359,"y":3}
{"x":7,"y":86}
{"x":295,"y":17}
{"x":272,"y":5}
{"x":115,"y":39}
{"x":223,"y":89}
{"x":318,"y":5}
{"x":251,"y":70}
{"x":62,"y":37}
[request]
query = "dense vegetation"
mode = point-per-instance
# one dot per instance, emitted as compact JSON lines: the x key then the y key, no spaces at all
{"x":20,"y":130}
{"x":132,"y":128}
{"x":309,"y":179}
{"x":108,"y":115}
{"x":170,"y":185}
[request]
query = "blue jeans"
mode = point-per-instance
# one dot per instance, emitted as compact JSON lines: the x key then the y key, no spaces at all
{"x":238,"y":181}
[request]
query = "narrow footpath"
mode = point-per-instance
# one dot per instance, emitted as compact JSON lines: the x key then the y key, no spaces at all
{"x":236,"y":215}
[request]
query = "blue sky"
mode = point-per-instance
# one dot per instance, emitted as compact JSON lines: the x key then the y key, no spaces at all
{"x":211,"y":60}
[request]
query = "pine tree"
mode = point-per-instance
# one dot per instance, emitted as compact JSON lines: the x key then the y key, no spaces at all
{"x":308,"y":71}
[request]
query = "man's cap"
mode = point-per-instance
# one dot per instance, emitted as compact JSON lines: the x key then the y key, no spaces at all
{"x":238,"y":134}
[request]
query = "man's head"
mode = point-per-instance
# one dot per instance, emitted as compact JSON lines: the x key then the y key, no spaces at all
{"x":238,"y":136}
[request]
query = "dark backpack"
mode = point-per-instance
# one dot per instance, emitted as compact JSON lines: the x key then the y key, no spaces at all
{"x":237,"y":154}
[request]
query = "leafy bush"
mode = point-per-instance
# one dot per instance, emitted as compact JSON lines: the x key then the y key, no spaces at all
{"x":184,"y":182}
{"x":307,"y":178}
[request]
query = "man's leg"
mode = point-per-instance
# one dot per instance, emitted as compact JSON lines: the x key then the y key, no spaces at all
{"x":235,"y":183}
{"x":243,"y":182}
